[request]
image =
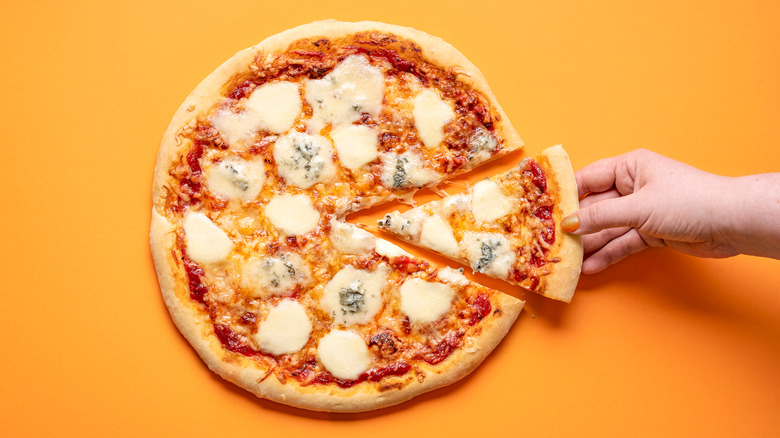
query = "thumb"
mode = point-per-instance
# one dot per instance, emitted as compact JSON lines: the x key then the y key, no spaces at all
{"x":607,"y":213}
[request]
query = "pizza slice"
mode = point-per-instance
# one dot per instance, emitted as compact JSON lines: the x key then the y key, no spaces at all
{"x":506,"y":226}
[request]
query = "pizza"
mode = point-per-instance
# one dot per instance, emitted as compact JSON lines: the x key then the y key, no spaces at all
{"x":255,"y":176}
{"x":506,"y":226}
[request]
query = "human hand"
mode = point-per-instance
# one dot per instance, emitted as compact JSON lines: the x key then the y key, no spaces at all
{"x":643,"y":199}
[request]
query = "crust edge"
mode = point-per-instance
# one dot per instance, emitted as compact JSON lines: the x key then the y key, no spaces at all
{"x":562,"y":282}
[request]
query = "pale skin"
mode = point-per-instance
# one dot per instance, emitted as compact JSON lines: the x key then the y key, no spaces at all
{"x":643,"y":199}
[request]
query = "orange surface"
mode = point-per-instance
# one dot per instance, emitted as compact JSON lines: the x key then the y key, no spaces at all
{"x":660,"y":345}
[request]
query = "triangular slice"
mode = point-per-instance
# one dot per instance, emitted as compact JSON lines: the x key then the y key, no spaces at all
{"x":506,"y":226}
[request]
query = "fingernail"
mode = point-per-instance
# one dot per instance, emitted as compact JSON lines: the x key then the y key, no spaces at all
{"x":570,"y":223}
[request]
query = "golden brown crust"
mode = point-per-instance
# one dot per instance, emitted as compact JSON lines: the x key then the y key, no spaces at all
{"x":196,"y":326}
{"x":562,"y":281}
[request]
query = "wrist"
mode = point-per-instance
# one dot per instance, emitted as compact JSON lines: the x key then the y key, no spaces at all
{"x":751,"y":220}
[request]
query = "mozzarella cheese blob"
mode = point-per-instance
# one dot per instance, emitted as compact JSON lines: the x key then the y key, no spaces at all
{"x":272,"y":107}
{"x":354,"y":296}
{"x":280,"y":275}
{"x":344,"y":354}
{"x":488,"y":253}
{"x":350,"y":239}
{"x":430,"y":114}
{"x":303,"y":159}
{"x":356,"y":145}
{"x":236,"y":178}
{"x":341,"y":97}
{"x":292,"y":214}
{"x":285,"y":330}
{"x":437,"y":235}
{"x":488,"y":203}
{"x":424,"y":301}
{"x":206,"y":242}
{"x":275,"y":106}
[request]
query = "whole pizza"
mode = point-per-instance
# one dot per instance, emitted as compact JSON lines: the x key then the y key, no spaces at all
{"x":256,"y":174}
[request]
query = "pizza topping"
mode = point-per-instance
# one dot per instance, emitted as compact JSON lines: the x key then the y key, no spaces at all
{"x":424,"y":301}
{"x":406,"y":170}
{"x":280,"y":275}
{"x":488,"y":253}
{"x":356,"y":145}
{"x":275,"y":106}
{"x":304,"y":160}
{"x":292,"y":214}
{"x":407,"y":224}
{"x":441,"y":350}
{"x":285,"y":330}
{"x":488,"y":203}
{"x":389,"y":250}
{"x":481,"y":308}
{"x":537,"y":174}
{"x":236,"y":178}
{"x":206,"y":242}
{"x":354,"y":87}
{"x":344,"y":354}
{"x":354,"y":296}
{"x":437,"y":235}
{"x":452,"y":276}
{"x":350,"y":239}
{"x":431,"y":113}
{"x":272,"y":107}
{"x":385,"y":344}
{"x":483,"y":145}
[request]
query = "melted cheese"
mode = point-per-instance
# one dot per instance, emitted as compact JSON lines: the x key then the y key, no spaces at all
{"x":206,"y":242}
{"x":292,"y":214}
{"x":424,"y":301}
{"x":356,"y":145}
{"x":389,"y":250}
{"x":453,"y":276}
{"x":488,"y":203}
{"x":354,"y":296}
{"x":280,"y":275}
{"x":236,"y":178}
{"x":304,"y":160}
{"x":271,"y":107}
{"x":406,"y":170}
{"x":354,"y":87}
{"x":430,"y":114}
{"x":437,"y":235}
{"x":406,"y":225}
{"x":344,"y":354}
{"x":488,"y":253}
{"x":275,"y":106}
{"x":350,"y":239}
{"x":285,"y":330}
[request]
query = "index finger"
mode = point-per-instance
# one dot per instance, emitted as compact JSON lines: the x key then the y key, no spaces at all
{"x":599,"y":176}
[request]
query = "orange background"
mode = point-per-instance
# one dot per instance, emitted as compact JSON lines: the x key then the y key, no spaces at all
{"x":659,"y":345}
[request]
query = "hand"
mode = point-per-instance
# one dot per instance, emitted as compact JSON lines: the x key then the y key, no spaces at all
{"x":643,"y":199}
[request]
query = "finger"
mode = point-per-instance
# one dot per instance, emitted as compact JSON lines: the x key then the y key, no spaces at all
{"x":598,"y":176}
{"x":624,"y":211}
{"x":596,"y":197}
{"x":613,"y":252}
{"x":594,"y":242}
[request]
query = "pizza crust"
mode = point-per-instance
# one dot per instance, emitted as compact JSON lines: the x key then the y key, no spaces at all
{"x":562,"y":281}
{"x":197,"y":329}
